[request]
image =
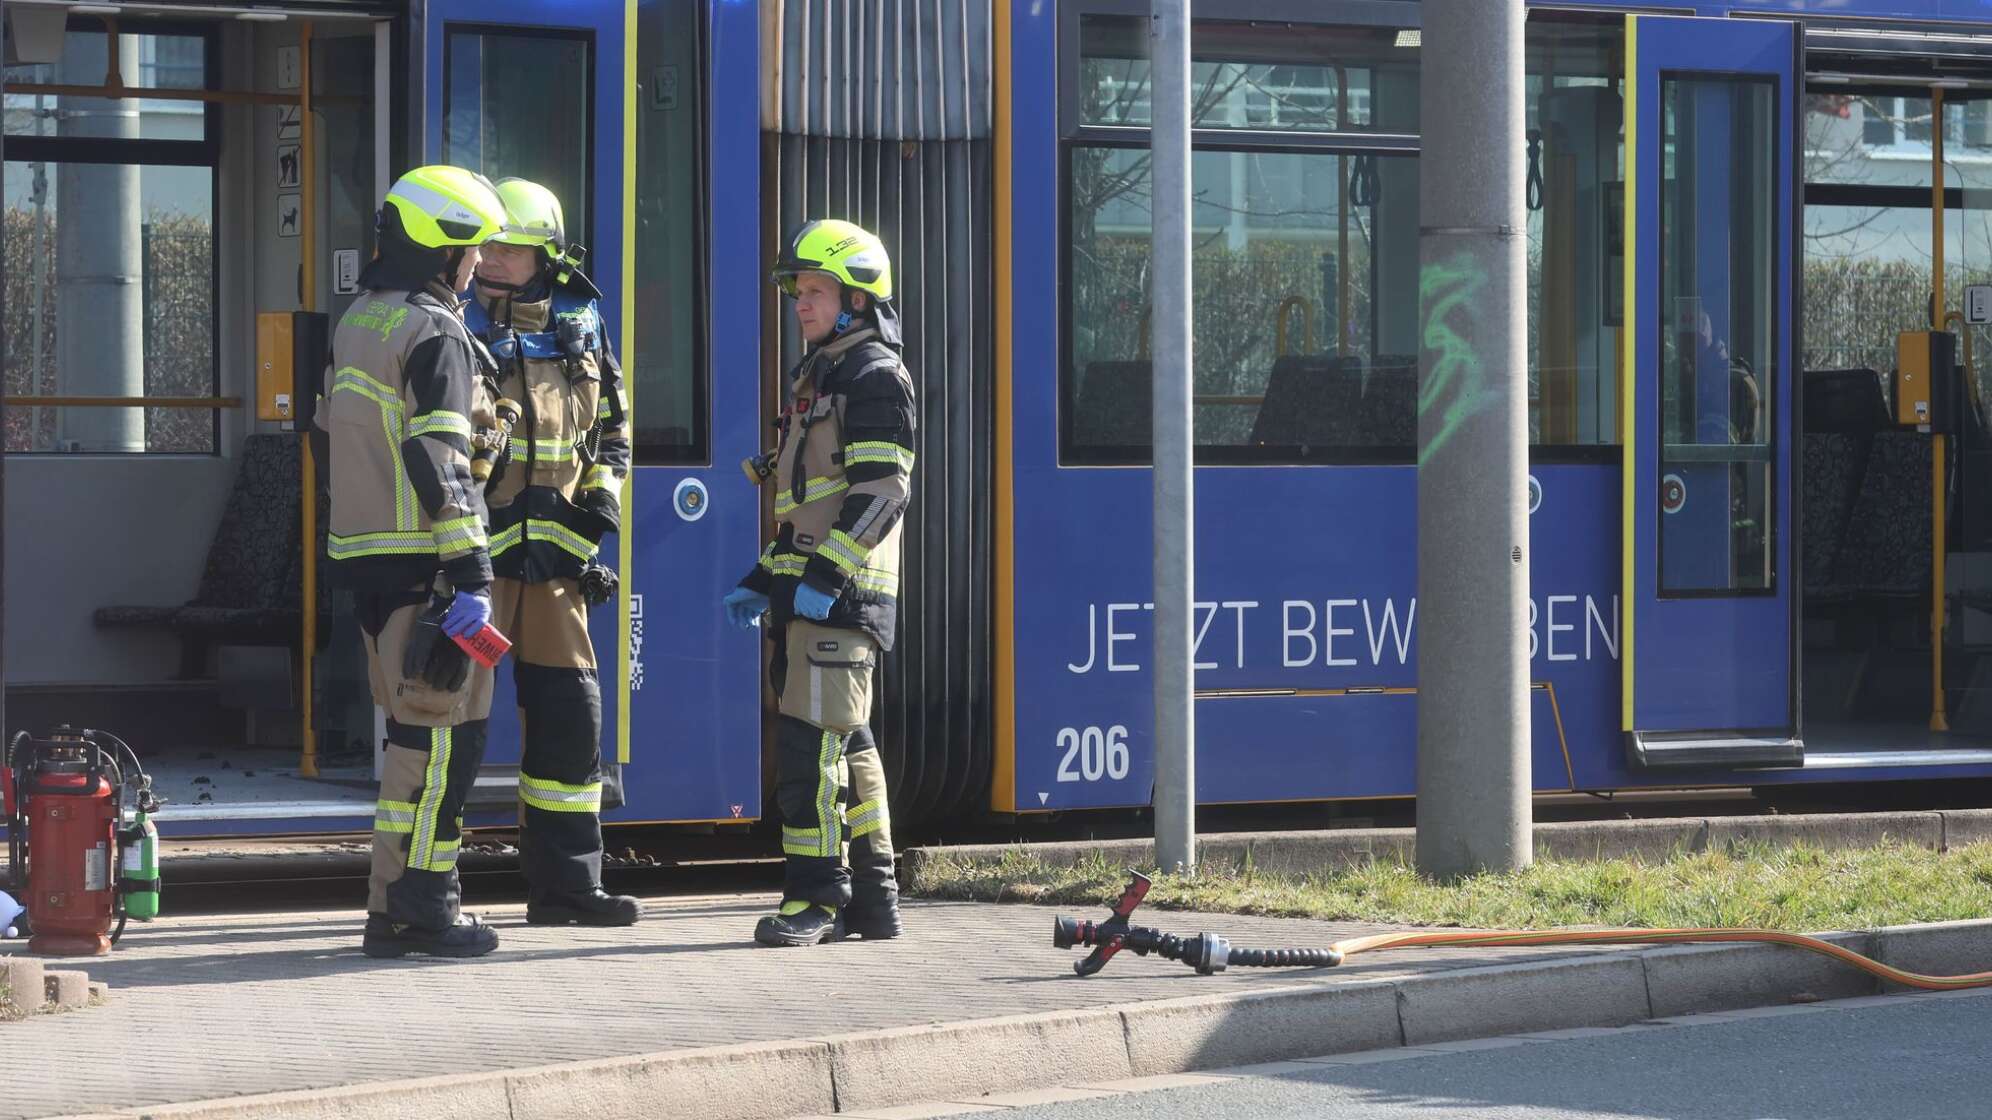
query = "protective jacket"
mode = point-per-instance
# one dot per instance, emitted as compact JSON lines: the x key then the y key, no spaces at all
{"x":401,"y":399}
{"x":557,"y":493}
{"x":843,"y":474}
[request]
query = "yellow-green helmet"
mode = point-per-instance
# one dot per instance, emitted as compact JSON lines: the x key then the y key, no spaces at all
{"x":532,"y":217}
{"x":442,"y":206}
{"x":846,"y":251}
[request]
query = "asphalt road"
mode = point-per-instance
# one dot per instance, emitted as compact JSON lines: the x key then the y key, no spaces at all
{"x":1907,"y":1060}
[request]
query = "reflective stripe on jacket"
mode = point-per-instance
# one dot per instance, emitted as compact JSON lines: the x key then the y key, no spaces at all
{"x":571,"y":438}
{"x":844,"y":475}
{"x":400,"y":400}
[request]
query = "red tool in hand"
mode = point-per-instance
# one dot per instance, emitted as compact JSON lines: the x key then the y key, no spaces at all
{"x":485,"y":645}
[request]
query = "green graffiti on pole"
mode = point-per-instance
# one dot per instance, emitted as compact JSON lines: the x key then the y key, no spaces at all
{"x":1456,"y":386}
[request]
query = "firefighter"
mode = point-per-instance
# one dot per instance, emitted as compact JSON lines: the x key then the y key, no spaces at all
{"x":407,"y":536}
{"x":829,"y":584}
{"x":552,"y":500}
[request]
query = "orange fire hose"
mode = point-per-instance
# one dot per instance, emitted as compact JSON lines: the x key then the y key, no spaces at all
{"x":1518,"y":938}
{"x":1208,"y":953}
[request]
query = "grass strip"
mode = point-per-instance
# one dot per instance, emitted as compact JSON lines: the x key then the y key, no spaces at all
{"x":1789,"y":888}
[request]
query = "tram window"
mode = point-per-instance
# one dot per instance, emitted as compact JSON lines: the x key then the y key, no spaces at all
{"x":1306,"y":311}
{"x":109,"y":224}
{"x":1305,"y":249}
{"x":1718,"y":360}
{"x":146,"y":60}
{"x":1260,"y":76}
{"x":518,"y":104}
{"x":666,"y":364}
{"x":1576,"y":262}
{"x":1867,"y":276}
{"x":1880,"y":141}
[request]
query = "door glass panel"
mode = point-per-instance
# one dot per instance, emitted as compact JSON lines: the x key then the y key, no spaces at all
{"x":666,"y":373}
{"x":1718,"y":329}
{"x":1968,"y":524}
{"x":518,"y":105}
{"x":1576,"y":256}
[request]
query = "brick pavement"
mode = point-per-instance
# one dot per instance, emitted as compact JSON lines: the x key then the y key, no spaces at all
{"x":206,"y":1007}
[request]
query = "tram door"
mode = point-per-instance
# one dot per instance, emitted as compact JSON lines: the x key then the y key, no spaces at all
{"x":607,"y":103}
{"x":522,"y":88}
{"x":1707,"y":564}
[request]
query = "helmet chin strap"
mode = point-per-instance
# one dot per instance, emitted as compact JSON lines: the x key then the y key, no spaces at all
{"x":847,"y":313}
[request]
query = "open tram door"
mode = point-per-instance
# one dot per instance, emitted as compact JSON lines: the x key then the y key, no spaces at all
{"x":1708,"y":669}
{"x":629,"y":110}
{"x":542,"y":92}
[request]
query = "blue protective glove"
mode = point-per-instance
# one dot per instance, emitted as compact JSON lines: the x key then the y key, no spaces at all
{"x":468,"y":613}
{"x":811,"y":603}
{"x":745,"y":607}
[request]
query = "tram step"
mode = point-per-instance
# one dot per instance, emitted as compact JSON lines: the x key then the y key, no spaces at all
{"x":1650,"y":750}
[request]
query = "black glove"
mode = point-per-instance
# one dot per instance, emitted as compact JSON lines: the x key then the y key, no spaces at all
{"x":432,"y":657}
{"x":598,"y":584}
{"x":601,"y":512}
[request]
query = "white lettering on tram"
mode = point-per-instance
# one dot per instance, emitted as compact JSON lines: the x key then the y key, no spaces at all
{"x":1309,"y":629}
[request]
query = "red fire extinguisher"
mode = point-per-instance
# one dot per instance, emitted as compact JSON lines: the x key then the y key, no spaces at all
{"x":66,"y":801}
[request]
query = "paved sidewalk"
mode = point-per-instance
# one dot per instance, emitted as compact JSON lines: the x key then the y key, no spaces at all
{"x":207,"y":1007}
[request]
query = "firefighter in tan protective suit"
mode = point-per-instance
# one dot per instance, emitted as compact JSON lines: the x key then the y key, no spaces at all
{"x":404,"y":397}
{"x":552,"y":500}
{"x":829,"y":584}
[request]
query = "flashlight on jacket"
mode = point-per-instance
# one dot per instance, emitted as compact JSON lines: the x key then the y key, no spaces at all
{"x":758,"y":468}
{"x":489,"y":444}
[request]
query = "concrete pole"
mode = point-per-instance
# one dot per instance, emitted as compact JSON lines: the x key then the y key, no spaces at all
{"x":1473,"y":568}
{"x":99,"y":268}
{"x":1175,"y":561}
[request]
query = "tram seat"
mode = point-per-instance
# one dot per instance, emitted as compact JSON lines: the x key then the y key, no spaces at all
{"x":1845,"y":401}
{"x":1886,"y":549}
{"x":1390,"y":402}
{"x":249,"y":588}
{"x":1311,"y":401}
{"x":1830,"y":480}
{"x":1844,"y":408}
{"x":1115,"y":405}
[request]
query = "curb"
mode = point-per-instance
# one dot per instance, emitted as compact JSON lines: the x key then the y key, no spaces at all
{"x":1659,"y":838}
{"x":966,"y":1060}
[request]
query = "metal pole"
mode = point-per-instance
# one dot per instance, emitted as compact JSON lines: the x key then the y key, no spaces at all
{"x":1473,"y":570}
{"x":1175,"y":687}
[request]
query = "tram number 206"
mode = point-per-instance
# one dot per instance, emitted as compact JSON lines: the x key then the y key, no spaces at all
{"x":1092,"y":753}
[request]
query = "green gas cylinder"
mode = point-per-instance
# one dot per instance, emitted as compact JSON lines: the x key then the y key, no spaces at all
{"x":140,"y":869}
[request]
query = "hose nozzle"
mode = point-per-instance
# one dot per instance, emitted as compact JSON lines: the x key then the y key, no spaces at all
{"x":758,"y":468}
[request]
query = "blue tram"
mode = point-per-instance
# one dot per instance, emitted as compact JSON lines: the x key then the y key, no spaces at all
{"x":1753,"y":225}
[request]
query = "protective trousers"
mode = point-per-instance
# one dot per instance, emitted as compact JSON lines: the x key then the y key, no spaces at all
{"x":823,"y":678}
{"x":560,"y":721}
{"x":435,"y":743}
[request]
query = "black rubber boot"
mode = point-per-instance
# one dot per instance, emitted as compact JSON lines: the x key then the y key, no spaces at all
{"x":876,"y":921}
{"x":809,"y":925}
{"x":595,"y":908}
{"x":468,"y":937}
